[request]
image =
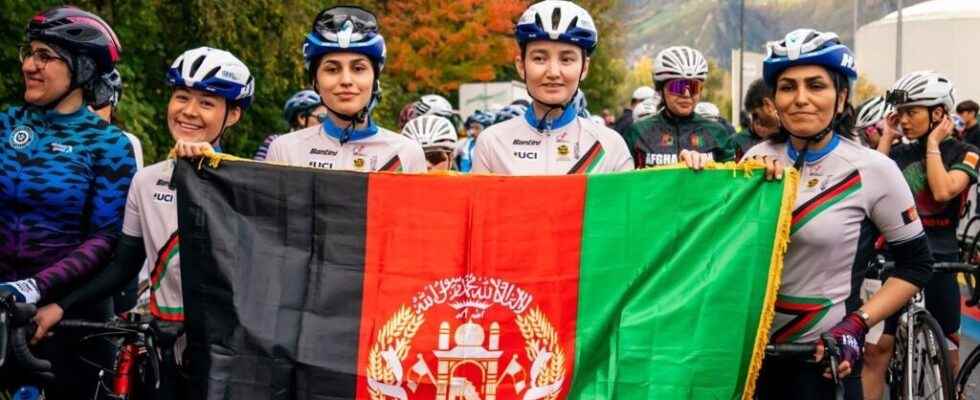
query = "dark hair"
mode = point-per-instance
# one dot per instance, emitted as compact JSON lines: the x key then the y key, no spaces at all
{"x":743,"y":119}
{"x":757,"y":92}
{"x":967,"y":106}
{"x":843,"y":124}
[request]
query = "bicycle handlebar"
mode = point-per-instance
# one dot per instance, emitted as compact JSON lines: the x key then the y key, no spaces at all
{"x":832,"y":356}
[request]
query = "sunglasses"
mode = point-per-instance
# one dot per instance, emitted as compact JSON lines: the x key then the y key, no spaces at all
{"x":334,"y":20}
{"x":682,"y":87}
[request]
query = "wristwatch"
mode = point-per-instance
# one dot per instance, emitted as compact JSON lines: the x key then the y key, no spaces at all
{"x":864,"y":317}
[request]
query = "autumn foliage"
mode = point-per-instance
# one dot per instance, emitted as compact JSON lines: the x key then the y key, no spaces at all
{"x":435,"y":45}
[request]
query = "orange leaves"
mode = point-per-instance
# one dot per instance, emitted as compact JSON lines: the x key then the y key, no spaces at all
{"x":438,"y":44}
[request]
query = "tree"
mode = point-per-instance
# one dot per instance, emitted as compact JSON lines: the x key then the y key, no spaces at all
{"x":433,"y":46}
{"x":864,"y":90}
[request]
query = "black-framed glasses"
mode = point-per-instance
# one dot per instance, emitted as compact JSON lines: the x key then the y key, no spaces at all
{"x":41,"y":57}
{"x":333,"y":20}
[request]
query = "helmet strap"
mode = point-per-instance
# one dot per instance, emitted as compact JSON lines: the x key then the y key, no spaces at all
{"x":552,"y":107}
{"x":807,"y":141}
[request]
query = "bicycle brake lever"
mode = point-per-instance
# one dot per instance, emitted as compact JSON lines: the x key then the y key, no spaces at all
{"x":154,"y":360}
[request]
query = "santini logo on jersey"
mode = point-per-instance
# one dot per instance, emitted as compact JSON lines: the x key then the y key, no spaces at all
{"x":324,"y":152}
{"x":529,"y":142}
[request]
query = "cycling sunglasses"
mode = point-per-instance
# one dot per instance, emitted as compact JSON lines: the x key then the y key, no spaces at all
{"x":332,"y":20}
{"x":681,"y":87}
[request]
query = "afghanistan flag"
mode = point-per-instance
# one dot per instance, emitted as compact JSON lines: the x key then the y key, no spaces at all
{"x":308,"y":284}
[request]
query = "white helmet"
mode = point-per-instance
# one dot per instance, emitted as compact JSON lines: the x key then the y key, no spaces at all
{"x":432,"y":132}
{"x":213,"y":71}
{"x":872,"y":111}
{"x":922,"y":88}
{"x":707,"y":110}
{"x":433,"y":104}
{"x":680,"y":62}
{"x":643,"y":92}
{"x":645,"y":108}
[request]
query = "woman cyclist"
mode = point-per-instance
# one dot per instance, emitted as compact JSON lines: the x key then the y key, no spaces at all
{"x":202,"y":107}
{"x":846,"y":195}
{"x":65,"y":174}
{"x":556,"y":39}
{"x":344,"y":55}
{"x":938,"y":168}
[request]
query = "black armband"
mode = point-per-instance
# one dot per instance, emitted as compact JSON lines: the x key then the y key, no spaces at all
{"x":913,"y":261}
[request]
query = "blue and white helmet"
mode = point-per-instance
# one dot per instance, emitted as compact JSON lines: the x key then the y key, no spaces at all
{"x":808,"y":47}
{"x":345,"y":29}
{"x":581,"y":104}
{"x":214,"y":71}
{"x":480,"y":117}
{"x":510,"y":112}
{"x":301,"y":102}
{"x":558,"y":20}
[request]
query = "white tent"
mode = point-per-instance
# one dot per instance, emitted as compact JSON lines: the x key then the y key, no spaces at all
{"x":941,"y":35}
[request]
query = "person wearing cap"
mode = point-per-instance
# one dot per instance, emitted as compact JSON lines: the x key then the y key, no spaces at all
{"x":210,"y":91}
{"x":640,"y":95}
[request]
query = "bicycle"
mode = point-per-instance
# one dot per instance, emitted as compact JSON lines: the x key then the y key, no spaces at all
{"x":135,"y":373}
{"x":919,"y":367}
{"x":968,"y":385}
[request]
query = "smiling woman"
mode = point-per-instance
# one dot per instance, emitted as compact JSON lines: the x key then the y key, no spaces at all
{"x":848,"y":194}
{"x":65,"y":175}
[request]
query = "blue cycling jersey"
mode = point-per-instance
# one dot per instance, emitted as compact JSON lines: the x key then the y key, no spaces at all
{"x":63,"y":185}
{"x":464,"y":154}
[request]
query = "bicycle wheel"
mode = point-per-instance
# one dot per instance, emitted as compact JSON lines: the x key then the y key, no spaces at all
{"x":968,"y":383}
{"x":927,"y":373}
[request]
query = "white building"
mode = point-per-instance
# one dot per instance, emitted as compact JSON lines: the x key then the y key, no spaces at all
{"x":941,"y":35}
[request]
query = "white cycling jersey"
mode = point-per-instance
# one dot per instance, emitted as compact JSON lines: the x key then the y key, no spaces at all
{"x":151,"y":214}
{"x":573,"y":145}
{"x":369,"y":149}
{"x":847,"y":194}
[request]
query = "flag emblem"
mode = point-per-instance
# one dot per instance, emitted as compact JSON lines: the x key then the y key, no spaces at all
{"x":490,"y":340}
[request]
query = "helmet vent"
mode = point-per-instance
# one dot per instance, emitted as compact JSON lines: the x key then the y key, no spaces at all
{"x":555,"y":18}
{"x":197,"y":64}
{"x":211,"y":73}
